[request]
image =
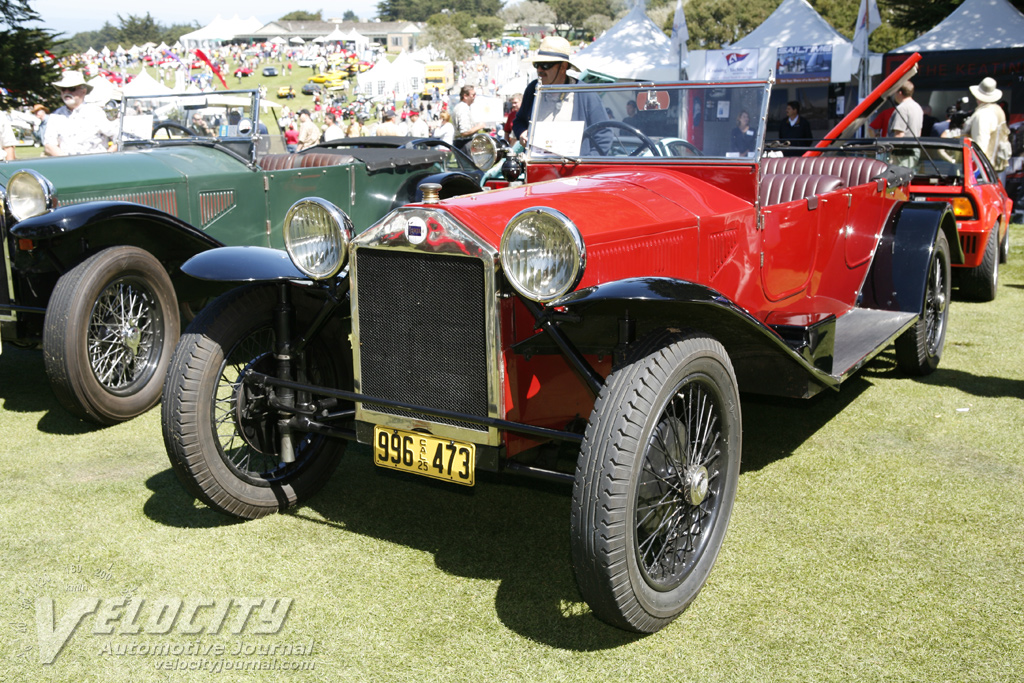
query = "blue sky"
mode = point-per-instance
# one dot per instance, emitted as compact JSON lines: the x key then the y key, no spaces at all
{"x":65,"y":16}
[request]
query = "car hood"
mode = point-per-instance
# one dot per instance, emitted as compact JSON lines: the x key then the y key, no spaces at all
{"x":97,"y":175}
{"x":876,"y":99}
{"x":606,"y":207}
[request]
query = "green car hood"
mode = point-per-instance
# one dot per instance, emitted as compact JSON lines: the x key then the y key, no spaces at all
{"x":116,"y":175}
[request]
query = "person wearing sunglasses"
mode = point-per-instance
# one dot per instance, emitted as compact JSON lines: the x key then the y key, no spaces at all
{"x":553,"y":64}
{"x":78,"y":127}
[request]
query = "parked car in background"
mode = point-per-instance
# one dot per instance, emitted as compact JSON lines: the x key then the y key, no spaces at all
{"x":311,"y":88}
{"x":93,"y":244}
{"x":270,"y":71}
{"x":243,"y":71}
{"x":957,"y":172}
{"x":616,"y":304}
{"x":285,"y":92}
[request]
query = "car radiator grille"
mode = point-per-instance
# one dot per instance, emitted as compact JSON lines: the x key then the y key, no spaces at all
{"x":422,"y":332}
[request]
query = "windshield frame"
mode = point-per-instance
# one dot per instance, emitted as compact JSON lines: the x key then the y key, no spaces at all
{"x":758,"y":120}
{"x":242,"y":139}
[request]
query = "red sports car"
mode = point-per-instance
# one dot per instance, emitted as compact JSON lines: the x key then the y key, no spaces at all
{"x":956,"y":171}
{"x":617,"y":304}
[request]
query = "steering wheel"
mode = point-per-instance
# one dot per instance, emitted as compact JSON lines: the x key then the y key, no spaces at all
{"x":172,"y":126}
{"x":688,"y":146}
{"x":646,"y":142}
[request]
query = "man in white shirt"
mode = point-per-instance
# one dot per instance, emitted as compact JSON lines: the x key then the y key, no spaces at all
{"x":462,"y":116}
{"x":333,"y":131}
{"x":77,"y":127}
{"x":908,"y":118}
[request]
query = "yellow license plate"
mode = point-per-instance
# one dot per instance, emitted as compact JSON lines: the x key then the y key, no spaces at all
{"x":453,"y":461}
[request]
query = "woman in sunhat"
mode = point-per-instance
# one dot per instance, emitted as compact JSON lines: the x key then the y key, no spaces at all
{"x":77,"y":127}
{"x":552,"y":62}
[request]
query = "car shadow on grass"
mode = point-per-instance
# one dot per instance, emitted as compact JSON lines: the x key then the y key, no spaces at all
{"x":984,"y":386}
{"x":172,"y":505}
{"x":774,"y":427}
{"x":504,"y":529}
{"x":24,"y":388}
{"x":507,"y":529}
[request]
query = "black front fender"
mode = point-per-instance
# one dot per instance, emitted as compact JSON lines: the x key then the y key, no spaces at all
{"x":242,"y":264}
{"x":603,"y":318}
{"x":83,"y":218}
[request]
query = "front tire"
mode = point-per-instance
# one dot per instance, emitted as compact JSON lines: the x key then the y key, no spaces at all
{"x":655,"y":482}
{"x":109,"y":331}
{"x":224,"y":445}
{"x":919,"y":349}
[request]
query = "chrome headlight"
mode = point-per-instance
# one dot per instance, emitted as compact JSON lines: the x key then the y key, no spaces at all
{"x":29,"y":194}
{"x":542,"y":253}
{"x":316,"y":235}
{"x":483,"y":151}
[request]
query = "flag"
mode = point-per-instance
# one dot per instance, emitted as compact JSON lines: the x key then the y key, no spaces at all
{"x":680,"y":34}
{"x":213,"y":67}
{"x":868,"y":19}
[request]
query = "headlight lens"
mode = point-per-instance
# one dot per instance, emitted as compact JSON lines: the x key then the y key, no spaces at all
{"x":316,"y":235}
{"x":483,"y":151}
{"x":29,"y":194}
{"x":543,"y":254}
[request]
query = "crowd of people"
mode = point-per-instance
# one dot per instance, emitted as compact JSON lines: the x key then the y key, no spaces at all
{"x":80,"y":126}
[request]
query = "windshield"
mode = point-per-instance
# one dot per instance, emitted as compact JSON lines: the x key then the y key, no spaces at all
{"x":225,"y":117}
{"x":686,"y":121}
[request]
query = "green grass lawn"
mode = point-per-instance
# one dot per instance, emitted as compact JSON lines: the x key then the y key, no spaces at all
{"x":876,"y":537}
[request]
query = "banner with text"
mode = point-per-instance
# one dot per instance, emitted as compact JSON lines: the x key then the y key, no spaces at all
{"x":804,"y":64}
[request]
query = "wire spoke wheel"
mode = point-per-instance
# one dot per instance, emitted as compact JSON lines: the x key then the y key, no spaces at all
{"x":677,"y":494}
{"x":124,"y":335}
{"x":221,"y":432}
{"x":656,"y":480}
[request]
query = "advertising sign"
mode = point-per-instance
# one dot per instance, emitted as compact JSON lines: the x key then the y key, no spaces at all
{"x":804,"y":64}
{"x":731,"y":65}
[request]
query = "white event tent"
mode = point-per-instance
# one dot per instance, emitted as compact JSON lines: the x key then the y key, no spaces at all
{"x":794,"y":23}
{"x":633,"y":48}
{"x":220,"y":30}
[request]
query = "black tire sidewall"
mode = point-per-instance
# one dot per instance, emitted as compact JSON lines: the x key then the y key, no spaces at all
{"x":601,"y":554}
{"x":192,"y":447}
{"x":66,"y":334}
{"x":668,"y":604}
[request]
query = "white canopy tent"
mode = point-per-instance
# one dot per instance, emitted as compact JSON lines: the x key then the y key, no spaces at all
{"x":144,"y":84}
{"x":220,"y":30}
{"x":380,"y":80}
{"x":633,"y":48}
{"x":794,"y":23}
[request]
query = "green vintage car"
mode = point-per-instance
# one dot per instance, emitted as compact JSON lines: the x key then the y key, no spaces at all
{"x":92,"y":244}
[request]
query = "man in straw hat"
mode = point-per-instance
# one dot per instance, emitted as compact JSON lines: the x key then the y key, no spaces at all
{"x":987,"y":125}
{"x":552,"y":63}
{"x":77,"y":127}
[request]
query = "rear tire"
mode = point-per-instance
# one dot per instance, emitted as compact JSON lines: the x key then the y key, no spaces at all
{"x":655,"y":483}
{"x":224,"y":446}
{"x":919,"y":349}
{"x":982,"y":283}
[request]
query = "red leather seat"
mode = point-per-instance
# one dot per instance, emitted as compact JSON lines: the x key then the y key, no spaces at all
{"x":275,"y":162}
{"x":851,"y":170}
{"x":779,"y":188}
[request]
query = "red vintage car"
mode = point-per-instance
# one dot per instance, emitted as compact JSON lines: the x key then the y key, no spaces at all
{"x":956,"y":171}
{"x":617,"y":304}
